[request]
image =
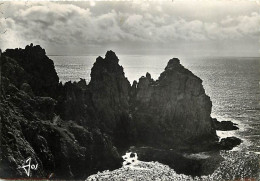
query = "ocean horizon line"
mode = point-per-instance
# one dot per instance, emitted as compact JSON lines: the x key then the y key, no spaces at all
{"x":199,"y":56}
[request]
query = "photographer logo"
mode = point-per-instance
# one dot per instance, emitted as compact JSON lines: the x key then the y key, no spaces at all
{"x":27,"y":166}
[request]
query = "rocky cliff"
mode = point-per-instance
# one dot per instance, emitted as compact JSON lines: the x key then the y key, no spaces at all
{"x":103,"y":103}
{"x":31,"y":126}
{"x":41,"y":74}
{"x":175,"y":107}
{"x":76,"y":129}
{"x":110,"y":96}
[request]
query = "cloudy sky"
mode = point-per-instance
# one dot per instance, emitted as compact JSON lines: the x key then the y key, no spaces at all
{"x":187,"y":27}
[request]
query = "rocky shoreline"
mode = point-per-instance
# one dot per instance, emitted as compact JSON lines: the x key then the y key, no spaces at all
{"x":233,"y":166}
{"x":76,"y":129}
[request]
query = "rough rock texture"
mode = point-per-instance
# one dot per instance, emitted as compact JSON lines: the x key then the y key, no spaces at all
{"x":74,"y":130}
{"x":175,"y":107}
{"x":74,"y":103}
{"x":41,"y":75}
{"x":110,"y":95}
{"x":30,"y":126}
{"x":247,"y":168}
{"x":104,"y":103}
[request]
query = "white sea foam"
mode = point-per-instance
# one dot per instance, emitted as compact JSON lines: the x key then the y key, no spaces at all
{"x":225,"y":134}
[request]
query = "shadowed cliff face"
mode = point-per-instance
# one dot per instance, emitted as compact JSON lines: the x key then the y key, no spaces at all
{"x":74,"y":130}
{"x":41,"y":74}
{"x":175,"y":107}
{"x":110,"y":91}
{"x":31,"y":126}
{"x":104,"y":103}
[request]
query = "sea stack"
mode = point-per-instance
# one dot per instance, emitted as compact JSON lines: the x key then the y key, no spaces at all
{"x":173,"y":110}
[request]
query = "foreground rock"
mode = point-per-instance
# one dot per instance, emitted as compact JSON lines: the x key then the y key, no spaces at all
{"x":143,"y":171}
{"x":30,"y":126}
{"x":76,"y":129}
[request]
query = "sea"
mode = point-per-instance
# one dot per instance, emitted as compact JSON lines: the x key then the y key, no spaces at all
{"x":233,"y":84}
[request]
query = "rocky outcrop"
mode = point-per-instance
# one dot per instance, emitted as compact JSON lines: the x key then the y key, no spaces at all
{"x":75,"y":103}
{"x":76,"y":129}
{"x":40,"y":72}
{"x":110,"y":95}
{"x":31,"y":126}
{"x":229,"y":143}
{"x":175,"y":107}
{"x":224,"y":125}
{"x":104,"y":103}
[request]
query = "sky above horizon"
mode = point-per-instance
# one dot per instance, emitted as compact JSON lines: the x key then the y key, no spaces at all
{"x":178,"y":27}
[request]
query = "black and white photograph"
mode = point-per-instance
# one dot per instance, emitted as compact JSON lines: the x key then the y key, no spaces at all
{"x":134,"y":90}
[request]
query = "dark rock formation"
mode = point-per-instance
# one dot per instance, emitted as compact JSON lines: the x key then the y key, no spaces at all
{"x":104,"y":103}
{"x":224,"y":125}
{"x":75,"y":129}
{"x":175,"y":107}
{"x":229,"y":143}
{"x":110,"y":94}
{"x":75,"y":103}
{"x":30,"y":126}
{"x":40,"y":72}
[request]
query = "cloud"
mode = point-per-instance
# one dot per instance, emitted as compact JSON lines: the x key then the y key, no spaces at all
{"x":77,"y":25}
